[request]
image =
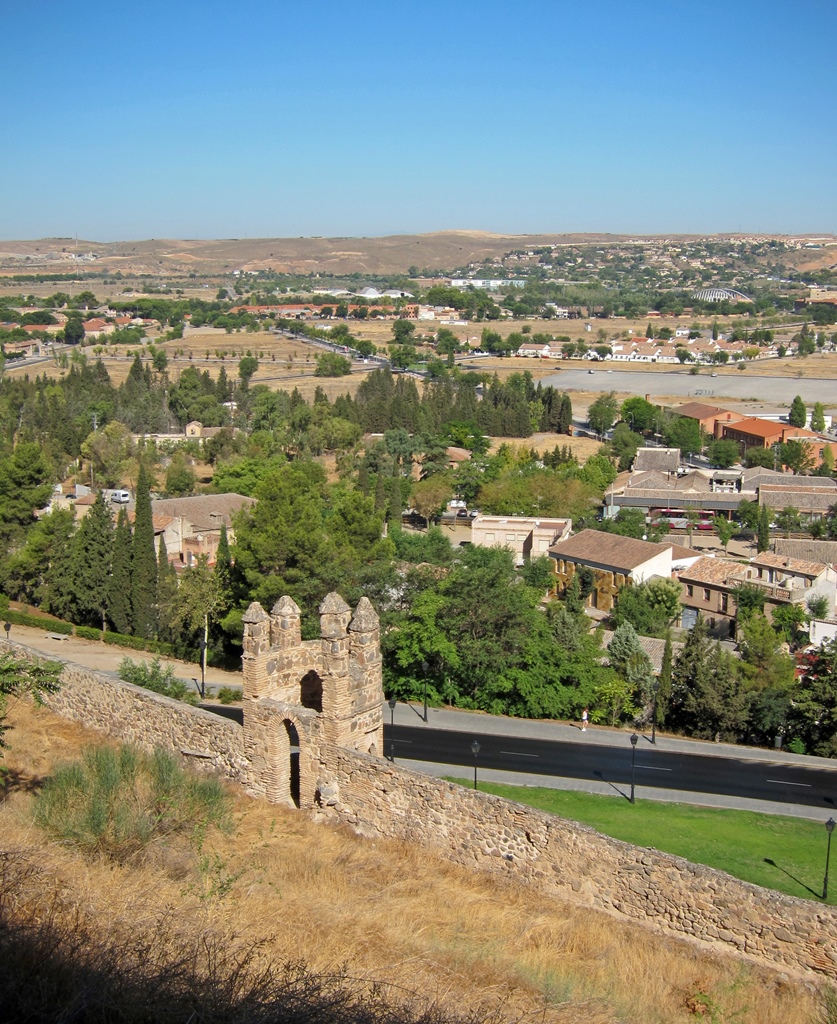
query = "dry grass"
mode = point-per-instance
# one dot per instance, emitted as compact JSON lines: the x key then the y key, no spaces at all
{"x":393,"y":914}
{"x":582,"y":447}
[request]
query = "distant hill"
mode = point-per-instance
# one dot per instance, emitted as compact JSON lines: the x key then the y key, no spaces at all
{"x":391,"y":254}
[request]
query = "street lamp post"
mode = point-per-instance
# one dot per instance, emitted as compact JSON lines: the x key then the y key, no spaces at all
{"x":8,"y":627}
{"x":634,"y":741}
{"x":654,"y":713}
{"x":392,"y":702}
{"x":475,"y":749}
{"x":424,"y":670}
{"x":829,"y":827}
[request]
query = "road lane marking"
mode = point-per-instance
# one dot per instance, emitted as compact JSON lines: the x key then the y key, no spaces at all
{"x":782,"y":782}
{"x":518,"y":753}
{"x":654,"y":768}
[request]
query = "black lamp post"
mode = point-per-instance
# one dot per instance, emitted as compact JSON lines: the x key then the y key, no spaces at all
{"x":654,"y":713}
{"x":392,"y":702}
{"x":829,"y":828}
{"x":634,"y":741}
{"x":475,"y":749}
{"x":8,"y":627}
{"x":424,"y":670}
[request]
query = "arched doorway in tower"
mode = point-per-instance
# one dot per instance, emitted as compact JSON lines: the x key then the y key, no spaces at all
{"x":293,"y":744}
{"x":311,"y":691}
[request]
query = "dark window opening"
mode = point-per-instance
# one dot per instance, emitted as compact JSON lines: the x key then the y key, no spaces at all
{"x":311,"y":691}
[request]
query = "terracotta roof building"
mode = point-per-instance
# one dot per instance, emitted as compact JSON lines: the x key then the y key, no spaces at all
{"x":710,"y":417}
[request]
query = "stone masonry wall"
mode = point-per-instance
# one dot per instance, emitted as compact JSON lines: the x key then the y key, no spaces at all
{"x":472,"y":828}
{"x":148,"y":719}
{"x":576,"y":863}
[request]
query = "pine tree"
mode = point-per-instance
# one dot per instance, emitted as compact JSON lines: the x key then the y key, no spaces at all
{"x":627,"y":656}
{"x":143,"y":563}
{"x":91,"y":564}
{"x":119,"y":585}
{"x":223,"y":567}
{"x":763,"y":535}
{"x":818,"y":417}
{"x":798,"y":413}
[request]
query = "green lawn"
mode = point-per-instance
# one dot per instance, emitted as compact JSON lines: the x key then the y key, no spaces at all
{"x":739,"y":842}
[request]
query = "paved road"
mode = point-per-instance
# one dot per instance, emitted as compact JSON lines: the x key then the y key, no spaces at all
{"x":703,"y":387}
{"x":765,"y":780}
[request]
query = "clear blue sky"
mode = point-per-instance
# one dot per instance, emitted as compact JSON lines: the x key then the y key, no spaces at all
{"x":206,"y":119}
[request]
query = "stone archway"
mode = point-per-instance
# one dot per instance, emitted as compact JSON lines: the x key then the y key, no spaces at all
{"x":293,"y":750}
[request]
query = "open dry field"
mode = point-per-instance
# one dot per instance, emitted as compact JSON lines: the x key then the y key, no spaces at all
{"x":425,"y":931}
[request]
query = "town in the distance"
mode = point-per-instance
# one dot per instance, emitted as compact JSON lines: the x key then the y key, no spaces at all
{"x":620,"y":448}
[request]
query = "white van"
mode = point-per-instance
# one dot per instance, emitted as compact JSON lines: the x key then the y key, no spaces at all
{"x":120,"y":497}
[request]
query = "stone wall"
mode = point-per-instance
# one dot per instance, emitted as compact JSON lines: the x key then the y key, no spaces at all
{"x":149,"y":720}
{"x":379,"y":799}
{"x":578,"y":864}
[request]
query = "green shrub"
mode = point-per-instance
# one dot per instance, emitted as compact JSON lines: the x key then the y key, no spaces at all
{"x":115,"y":801}
{"x":88,"y":633}
{"x":21,"y":675}
{"x":38,"y":621}
{"x":153,"y":675}
{"x":229,"y":694}
{"x":138,"y":643}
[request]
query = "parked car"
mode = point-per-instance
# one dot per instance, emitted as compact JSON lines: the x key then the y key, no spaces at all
{"x":473,"y":513}
{"x":462,"y":514}
{"x":120,"y":497}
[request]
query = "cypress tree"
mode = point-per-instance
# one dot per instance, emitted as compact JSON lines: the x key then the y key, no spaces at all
{"x":166,"y":595}
{"x":763,"y":535}
{"x":664,"y":680}
{"x":91,"y":563}
{"x":380,"y":492}
{"x":818,"y":417}
{"x":143,"y":563}
{"x":119,"y":586}
{"x":396,"y":499}
{"x":565,"y":415}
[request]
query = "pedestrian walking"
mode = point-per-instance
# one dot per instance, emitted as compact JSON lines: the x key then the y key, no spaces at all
{"x":584,"y":720}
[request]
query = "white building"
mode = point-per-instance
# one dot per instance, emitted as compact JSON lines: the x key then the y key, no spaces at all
{"x":526,"y":537}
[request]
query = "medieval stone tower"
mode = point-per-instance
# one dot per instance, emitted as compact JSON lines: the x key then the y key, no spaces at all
{"x":304,"y":698}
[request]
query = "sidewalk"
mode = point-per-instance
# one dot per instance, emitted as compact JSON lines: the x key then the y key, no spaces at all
{"x":105,"y":658}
